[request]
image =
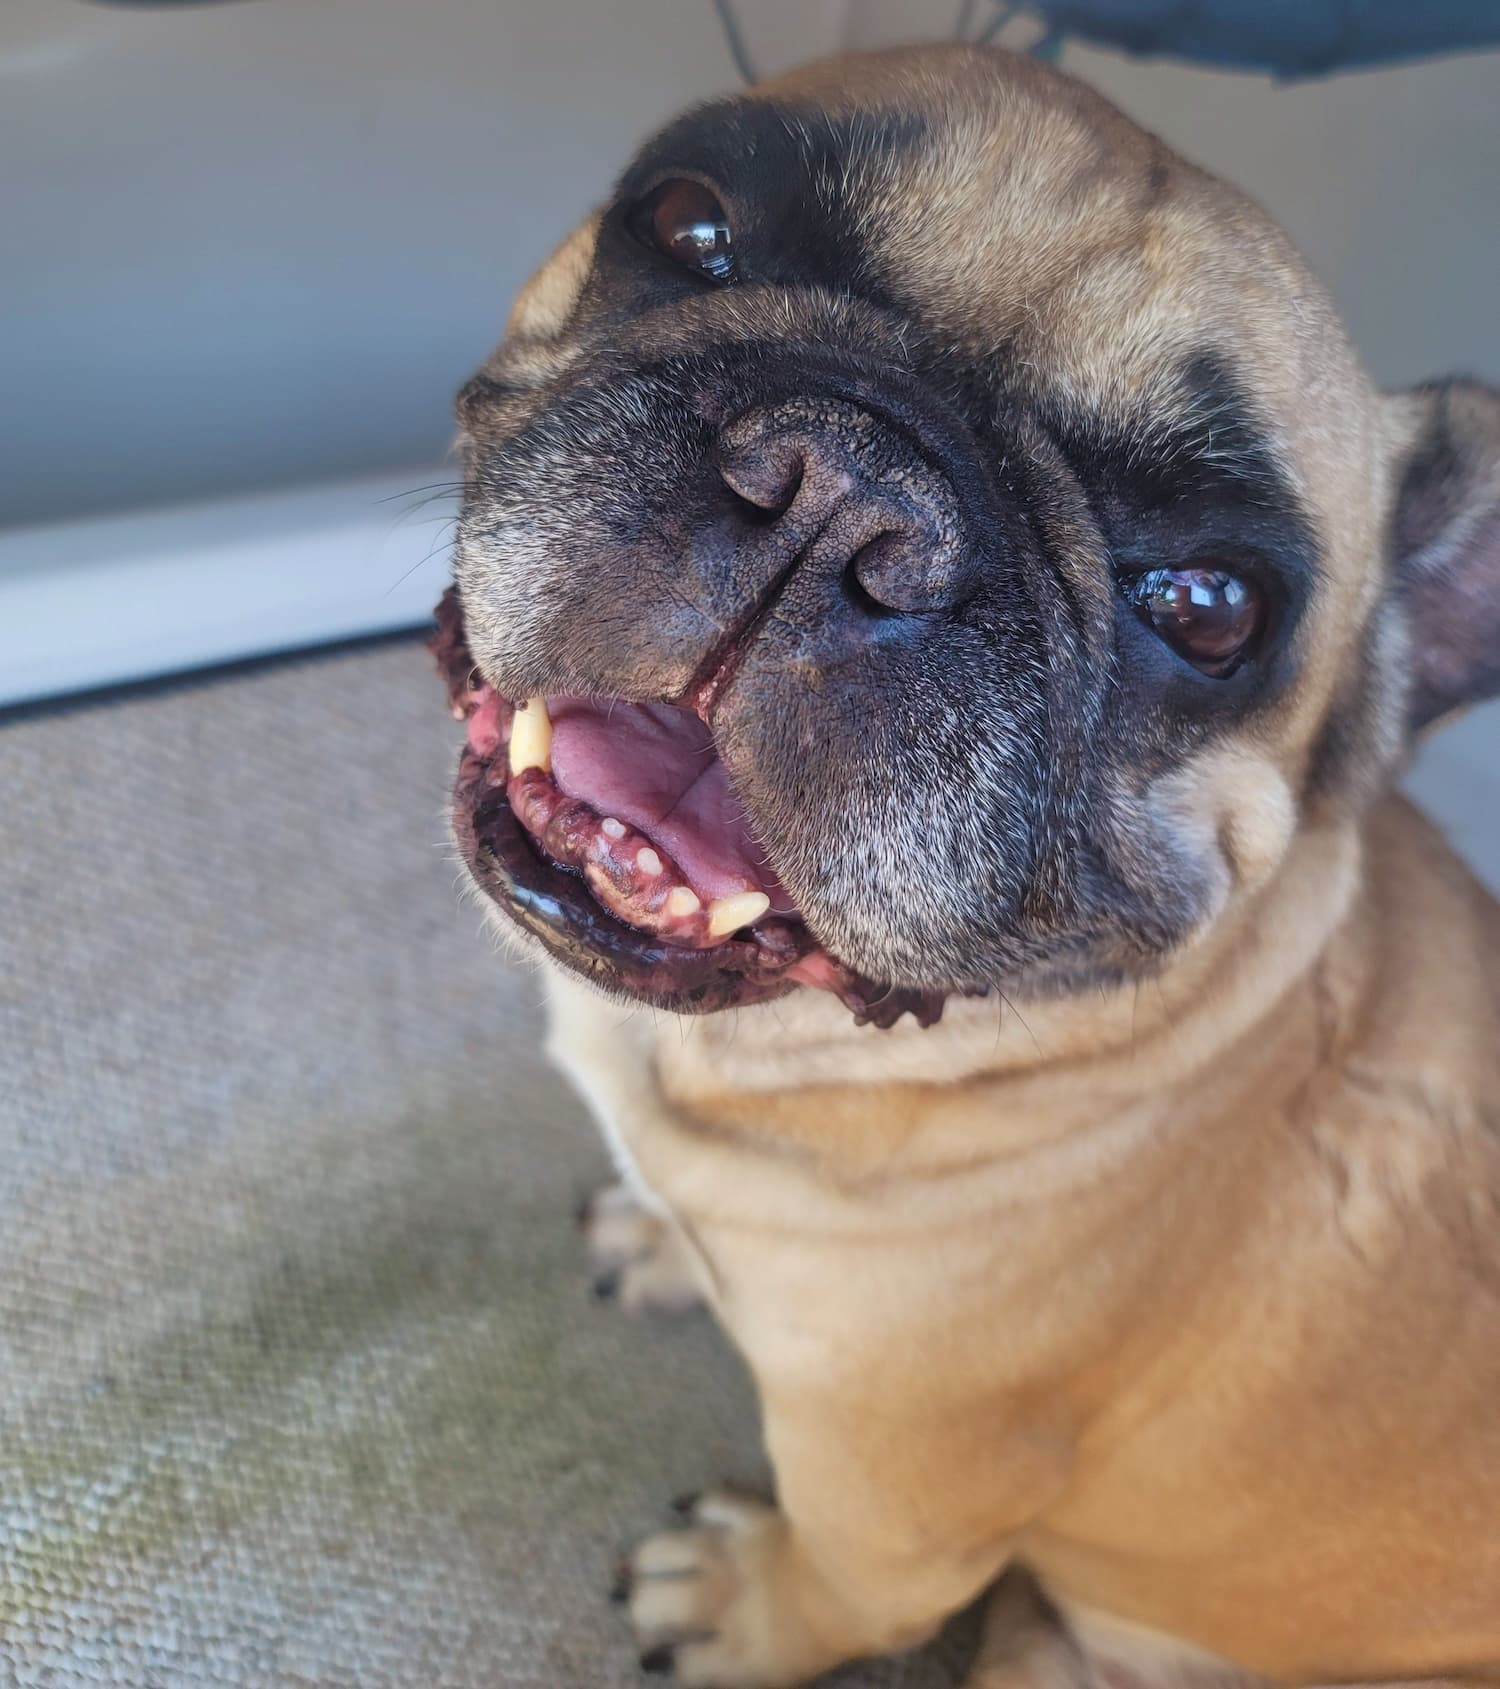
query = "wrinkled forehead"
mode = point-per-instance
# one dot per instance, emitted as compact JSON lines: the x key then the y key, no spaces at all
{"x":1018,"y":215}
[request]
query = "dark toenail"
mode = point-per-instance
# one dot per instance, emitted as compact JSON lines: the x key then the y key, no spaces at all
{"x":686,"y":1504}
{"x":619,"y":1590}
{"x":658,"y":1661}
{"x":606,"y":1287}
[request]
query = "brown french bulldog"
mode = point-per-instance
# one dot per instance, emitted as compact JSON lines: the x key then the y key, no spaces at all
{"x":936,"y":585}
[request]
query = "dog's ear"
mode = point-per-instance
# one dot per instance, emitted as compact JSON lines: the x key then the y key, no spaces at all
{"x":536,"y":346}
{"x":543,"y":306}
{"x":1445,"y":541}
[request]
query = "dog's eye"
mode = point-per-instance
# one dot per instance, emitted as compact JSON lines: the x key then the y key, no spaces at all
{"x":684,"y":221}
{"x":1212,"y":618}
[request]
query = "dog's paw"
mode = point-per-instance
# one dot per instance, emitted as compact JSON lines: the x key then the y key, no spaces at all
{"x":709,"y":1603}
{"x":638,"y":1259}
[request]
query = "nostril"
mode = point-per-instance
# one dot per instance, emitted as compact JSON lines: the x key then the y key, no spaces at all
{"x":883,"y":578}
{"x":860,"y":596}
{"x":749,"y":511}
{"x":766,"y":476}
{"x":914,"y":568}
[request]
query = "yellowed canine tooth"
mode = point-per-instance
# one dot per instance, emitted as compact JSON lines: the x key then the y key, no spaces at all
{"x":531,"y":737}
{"x":728,"y":914}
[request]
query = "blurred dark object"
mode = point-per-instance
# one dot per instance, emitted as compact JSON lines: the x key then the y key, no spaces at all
{"x":1285,"y":37}
{"x":1288,"y":38}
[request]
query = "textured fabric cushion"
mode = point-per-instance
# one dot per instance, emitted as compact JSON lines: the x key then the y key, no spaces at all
{"x":300,"y":1382}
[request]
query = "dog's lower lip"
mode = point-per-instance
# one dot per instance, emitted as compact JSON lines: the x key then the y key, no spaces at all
{"x":555,"y":906}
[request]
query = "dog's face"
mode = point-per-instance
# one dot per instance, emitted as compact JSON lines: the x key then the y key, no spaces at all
{"x":944,"y":541}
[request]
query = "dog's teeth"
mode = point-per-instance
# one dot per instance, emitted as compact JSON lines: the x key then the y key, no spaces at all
{"x":611,"y":828}
{"x":728,"y":914}
{"x":531,"y":737}
{"x":683,"y":900}
{"x":647,"y":860}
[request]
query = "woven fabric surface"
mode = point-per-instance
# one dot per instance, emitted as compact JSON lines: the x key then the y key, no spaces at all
{"x":300,"y":1380}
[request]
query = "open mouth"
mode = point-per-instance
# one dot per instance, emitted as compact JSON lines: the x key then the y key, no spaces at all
{"x":612,"y":832}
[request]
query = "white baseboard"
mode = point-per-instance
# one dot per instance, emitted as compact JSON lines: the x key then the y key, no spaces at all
{"x":112,"y":599}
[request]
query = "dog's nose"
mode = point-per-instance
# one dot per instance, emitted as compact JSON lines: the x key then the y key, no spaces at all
{"x":854,"y":494}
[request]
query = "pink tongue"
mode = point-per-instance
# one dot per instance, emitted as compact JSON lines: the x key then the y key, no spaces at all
{"x":654,"y":768}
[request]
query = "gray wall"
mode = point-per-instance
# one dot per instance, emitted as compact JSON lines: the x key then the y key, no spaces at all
{"x":258,"y":243}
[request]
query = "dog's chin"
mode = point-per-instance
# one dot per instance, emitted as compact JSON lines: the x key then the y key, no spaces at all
{"x":610,"y":833}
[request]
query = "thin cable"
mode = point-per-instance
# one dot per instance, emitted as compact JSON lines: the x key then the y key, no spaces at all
{"x":736,"y":40}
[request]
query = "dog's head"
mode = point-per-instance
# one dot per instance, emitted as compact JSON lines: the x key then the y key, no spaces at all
{"x":922,"y":535}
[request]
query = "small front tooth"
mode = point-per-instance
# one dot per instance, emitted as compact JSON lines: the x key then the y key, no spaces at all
{"x":729,"y":914}
{"x":647,"y":860}
{"x":683,"y":900}
{"x":611,"y":828}
{"x":531,"y":737}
